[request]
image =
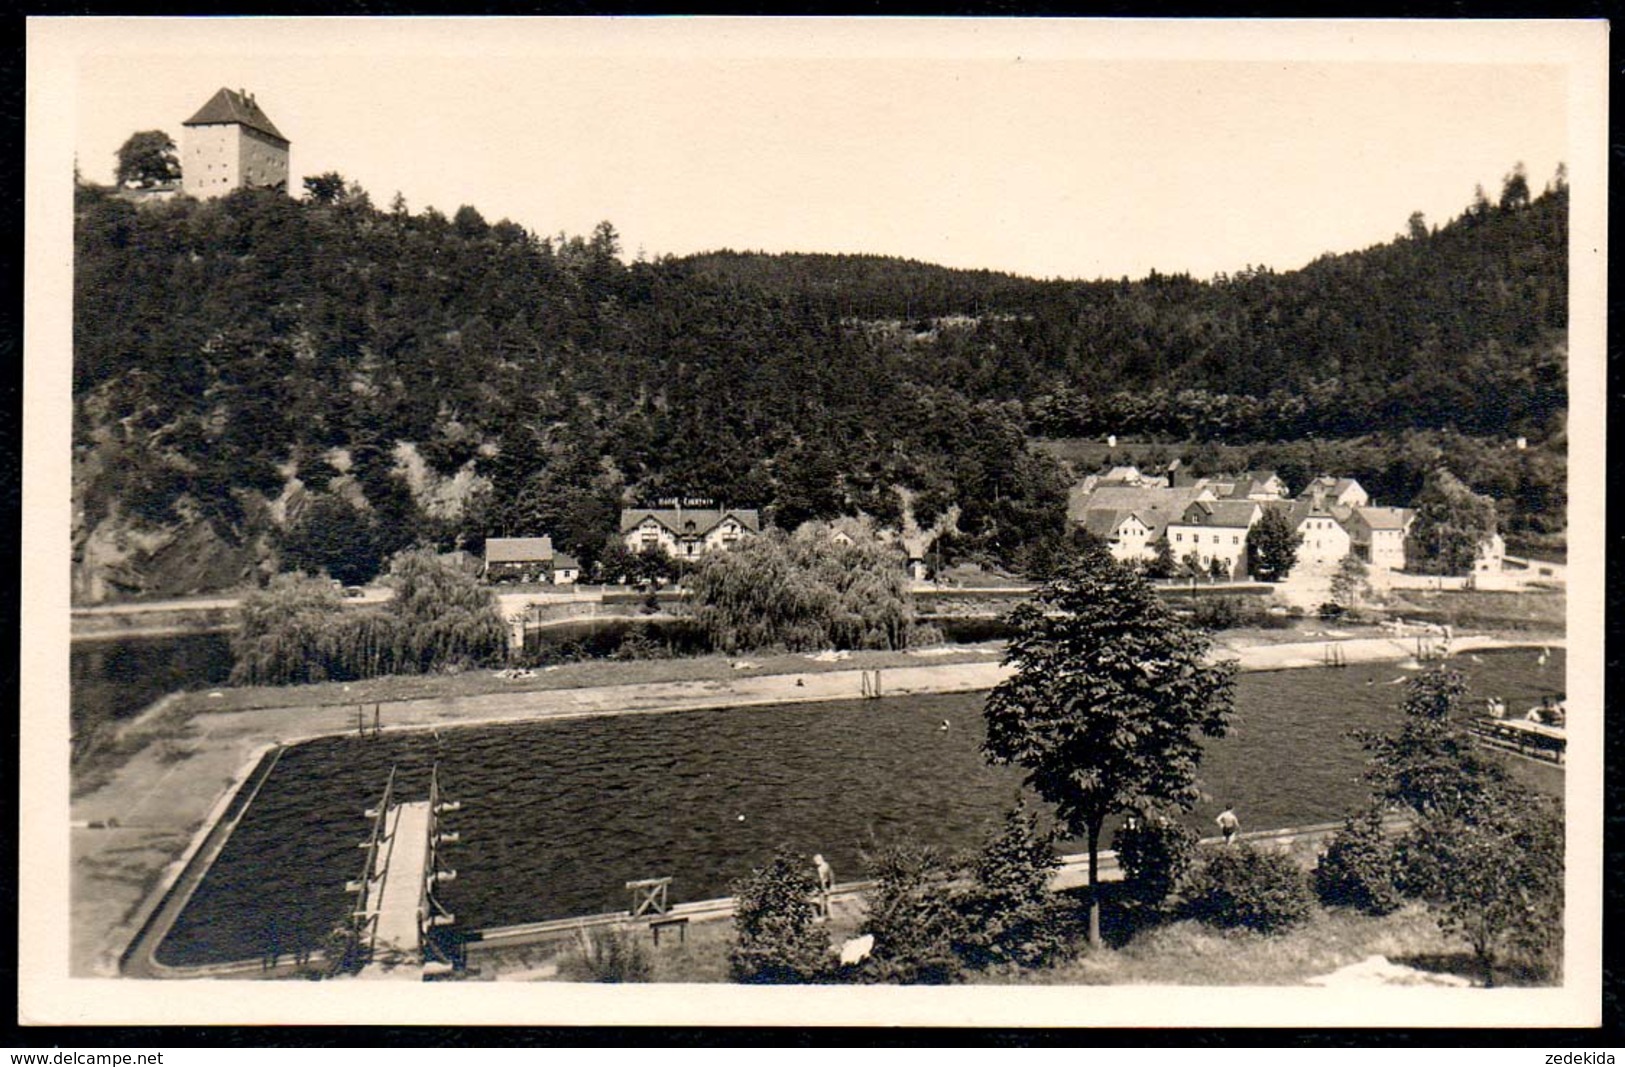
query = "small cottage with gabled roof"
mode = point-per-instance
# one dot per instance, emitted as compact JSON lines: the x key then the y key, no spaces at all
{"x":528,"y":559}
{"x":1342,"y":492}
{"x":232,"y":144}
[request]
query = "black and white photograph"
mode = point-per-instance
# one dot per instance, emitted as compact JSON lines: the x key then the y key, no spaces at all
{"x":707,"y":521}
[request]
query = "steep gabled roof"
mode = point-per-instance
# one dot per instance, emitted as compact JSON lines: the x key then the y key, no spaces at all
{"x":1385,"y":518}
{"x":518,"y":549}
{"x":561,"y":561}
{"x":1154,"y":507}
{"x":1238,"y":514}
{"x":227,"y":106}
{"x":1105,"y":522}
{"x":677,"y":520}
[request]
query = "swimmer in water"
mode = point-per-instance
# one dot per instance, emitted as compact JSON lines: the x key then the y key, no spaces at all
{"x":944,"y":726}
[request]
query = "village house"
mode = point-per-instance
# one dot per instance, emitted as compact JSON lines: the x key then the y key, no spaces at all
{"x":1339,"y":492}
{"x":1324,"y":531}
{"x":1130,"y":519}
{"x":1377,"y":536}
{"x":232,"y":144}
{"x":1491,"y":558}
{"x":1215,"y":530}
{"x":1255,"y":485}
{"x":528,"y":559}
{"x":687,"y":532}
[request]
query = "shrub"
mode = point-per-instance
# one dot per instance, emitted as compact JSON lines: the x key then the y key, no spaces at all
{"x":777,"y":938}
{"x":1357,"y":869}
{"x":1010,"y":915}
{"x":1241,"y":886}
{"x":915,"y":925}
{"x":1156,"y":854}
{"x":1493,"y":873}
{"x":602,"y":955}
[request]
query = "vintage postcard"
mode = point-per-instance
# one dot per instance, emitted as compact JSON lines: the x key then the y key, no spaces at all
{"x":786,"y":521}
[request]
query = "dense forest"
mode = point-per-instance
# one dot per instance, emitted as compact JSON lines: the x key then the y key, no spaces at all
{"x":245,"y":366}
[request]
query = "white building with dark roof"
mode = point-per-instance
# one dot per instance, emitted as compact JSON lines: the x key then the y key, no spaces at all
{"x":232,"y":144}
{"x":1377,"y":536}
{"x":1131,"y":519}
{"x":687,"y":533}
{"x":1215,"y":530}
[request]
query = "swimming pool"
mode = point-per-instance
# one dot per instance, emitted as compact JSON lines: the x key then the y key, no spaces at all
{"x":557,"y":816}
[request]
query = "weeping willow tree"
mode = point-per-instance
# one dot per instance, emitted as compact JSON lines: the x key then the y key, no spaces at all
{"x":298,"y":630}
{"x":803,"y":593}
{"x":284,"y":632}
{"x":450,"y":620}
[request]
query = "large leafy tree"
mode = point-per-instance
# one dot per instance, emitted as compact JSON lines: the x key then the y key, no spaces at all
{"x":1110,"y":699}
{"x":1272,"y":546}
{"x":1485,"y":852}
{"x":1451,"y":523}
{"x":1431,"y":764}
{"x":148,"y":159}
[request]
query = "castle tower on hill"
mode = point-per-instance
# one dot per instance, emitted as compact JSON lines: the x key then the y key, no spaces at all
{"x":231,"y":144}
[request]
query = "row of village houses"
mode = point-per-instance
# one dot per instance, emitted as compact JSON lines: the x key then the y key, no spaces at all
{"x":1211,"y":517}
{"x":1130,"y":511}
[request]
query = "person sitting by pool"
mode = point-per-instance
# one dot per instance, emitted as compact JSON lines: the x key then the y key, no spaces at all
{"x":1496,"y":706}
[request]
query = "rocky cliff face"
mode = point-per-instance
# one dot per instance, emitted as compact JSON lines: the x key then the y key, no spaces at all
{"x":117,"y":555}
{"x":120,"y":558}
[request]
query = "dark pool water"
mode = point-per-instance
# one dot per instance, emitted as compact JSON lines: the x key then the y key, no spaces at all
{"x":115,"y":678}
{"x":557,"y":817}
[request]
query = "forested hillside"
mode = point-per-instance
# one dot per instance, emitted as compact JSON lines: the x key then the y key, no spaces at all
{"x":246,"y":367}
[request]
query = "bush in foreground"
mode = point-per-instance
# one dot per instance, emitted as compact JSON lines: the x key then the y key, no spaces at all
{"x":1494,"y":875}
{"x":777,"y":938}
{"x":1357,"y":869}
{"x":1011,"y":917}
{"x":915,"y":925}
{"x":607,"y":956}
{"x":1156,"y":854}
{"x":1242,"y":886}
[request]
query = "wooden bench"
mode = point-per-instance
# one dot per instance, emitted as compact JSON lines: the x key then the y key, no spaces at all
{"x":656,"y":926}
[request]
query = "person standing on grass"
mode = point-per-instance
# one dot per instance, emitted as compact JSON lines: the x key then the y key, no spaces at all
{"x":1228,"y":824}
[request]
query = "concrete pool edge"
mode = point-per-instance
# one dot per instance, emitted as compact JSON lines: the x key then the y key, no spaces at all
{"x":157,"y":914}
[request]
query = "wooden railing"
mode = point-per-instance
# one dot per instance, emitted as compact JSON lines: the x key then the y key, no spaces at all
{"x":364,"y":916}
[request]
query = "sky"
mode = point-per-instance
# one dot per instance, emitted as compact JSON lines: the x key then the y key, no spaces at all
{"x":1051,"y":149}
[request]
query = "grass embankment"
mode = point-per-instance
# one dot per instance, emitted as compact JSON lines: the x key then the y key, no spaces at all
{"x":1183,"y":952}
{"x":581,"y":675}
{"x":1522,"y":611}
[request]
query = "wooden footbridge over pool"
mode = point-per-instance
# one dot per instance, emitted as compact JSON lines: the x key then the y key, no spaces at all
{"x":397,"y":912}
